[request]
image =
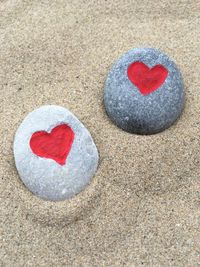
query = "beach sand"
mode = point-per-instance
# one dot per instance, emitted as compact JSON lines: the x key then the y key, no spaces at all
{"x":143,"y":205}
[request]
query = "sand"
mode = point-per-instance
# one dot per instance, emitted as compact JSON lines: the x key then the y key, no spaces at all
{"x":143,"y":206}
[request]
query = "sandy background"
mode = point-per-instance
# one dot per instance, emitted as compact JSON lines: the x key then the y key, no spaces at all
{"x":143,"y":206}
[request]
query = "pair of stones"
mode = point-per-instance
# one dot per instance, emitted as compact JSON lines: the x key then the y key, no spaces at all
{"x":55,"y":154}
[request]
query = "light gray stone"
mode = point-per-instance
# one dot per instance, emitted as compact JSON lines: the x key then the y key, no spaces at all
{"x":135,"y":112}
{"x":44,"y":176}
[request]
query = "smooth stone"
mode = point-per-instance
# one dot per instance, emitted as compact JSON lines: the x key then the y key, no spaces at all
{"x":58,"y":164}
{"x":133,"y":103}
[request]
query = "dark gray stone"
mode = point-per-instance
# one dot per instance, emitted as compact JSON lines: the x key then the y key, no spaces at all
{"x":45,"y":177}
{"x":138,"y":113}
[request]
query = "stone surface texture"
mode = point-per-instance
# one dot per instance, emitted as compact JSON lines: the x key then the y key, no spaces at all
{"x":138,"y":113}
{"x":45,"y":177}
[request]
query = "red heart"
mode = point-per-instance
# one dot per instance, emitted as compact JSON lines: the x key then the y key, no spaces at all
{"x":55,"y":145}
{"x":147,"y":80}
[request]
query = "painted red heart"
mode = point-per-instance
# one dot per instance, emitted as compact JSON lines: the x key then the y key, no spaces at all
{"x":146,"y":79}
{"x":55,"y":145}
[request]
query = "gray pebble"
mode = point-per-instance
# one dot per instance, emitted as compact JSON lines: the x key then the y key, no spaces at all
{"x":144,"y":91}
{"x":54,"y":153}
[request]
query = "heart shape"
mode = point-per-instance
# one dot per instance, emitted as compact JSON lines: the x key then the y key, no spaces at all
{"x":55,"y":145}
{"x":146,"y":79}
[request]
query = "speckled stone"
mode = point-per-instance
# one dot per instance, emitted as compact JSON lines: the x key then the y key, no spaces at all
{"x":45,"y":177}
{"x":140,"y":113}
